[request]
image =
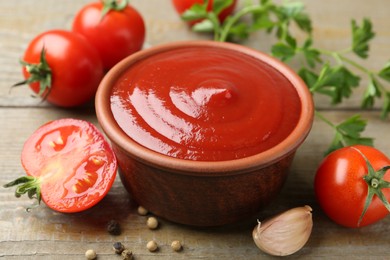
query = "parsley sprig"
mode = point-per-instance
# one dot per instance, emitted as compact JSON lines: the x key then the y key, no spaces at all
{"x":326,"y":72}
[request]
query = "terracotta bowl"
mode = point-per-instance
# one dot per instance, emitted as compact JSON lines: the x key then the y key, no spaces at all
{"x":202,"y":193}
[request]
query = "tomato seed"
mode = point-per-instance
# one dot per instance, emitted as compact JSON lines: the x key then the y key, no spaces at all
{"x":97,"y":161}
{"x":60,"y":140}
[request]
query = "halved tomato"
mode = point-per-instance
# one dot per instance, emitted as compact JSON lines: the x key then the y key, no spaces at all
{"x":70,"y":166}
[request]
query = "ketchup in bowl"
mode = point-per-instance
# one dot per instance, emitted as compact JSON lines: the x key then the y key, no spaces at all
{"x":205,"y":104}
{"x":204,"y":132}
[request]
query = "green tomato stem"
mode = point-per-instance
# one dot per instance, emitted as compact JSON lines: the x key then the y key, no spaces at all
{"x":27,"y":185}
{"x":40,"y":73}
{"x":109,"y":5}
{"x":375,"y":184}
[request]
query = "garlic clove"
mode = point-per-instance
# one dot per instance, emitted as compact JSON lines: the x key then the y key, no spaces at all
{"x":286,"y":233}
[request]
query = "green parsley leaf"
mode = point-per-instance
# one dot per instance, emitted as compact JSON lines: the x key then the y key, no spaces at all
{"x":385,"y":72}
{"x":196,"y":12}
{"x":361,"y":35}
{"x":291,"y":9}
{"x":283,"y":51}
{"x":312,"y":55}
{"x":262,"y":20}
{"x":309,"y":77}
{"x":386,"y":105}
{"x":352,"y":127}
{"x":336,"y":82}
{"x":294,"y":11}
{"x":372,"y":91}
{"x":348,"y":133}
{"x":220,"y":5}
{"x":204,"y":26}
{"x":291,"y":41}
{"x":303,"y":21}
{"x":240,"y":30}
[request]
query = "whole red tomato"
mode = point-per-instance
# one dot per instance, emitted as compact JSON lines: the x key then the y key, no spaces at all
{"x":115,"y":30}
{"x":344,"y":184}
{"x":62,"y":67}
{"x":182,"y":5}
{"x":69,"y":165}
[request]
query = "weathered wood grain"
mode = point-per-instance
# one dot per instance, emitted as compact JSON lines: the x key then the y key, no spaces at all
{"x":44,"y":234}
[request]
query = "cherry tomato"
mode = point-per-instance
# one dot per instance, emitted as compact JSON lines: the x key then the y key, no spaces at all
{"x":115,"y":34}
{"x":342,"y":183}
{"x":72,"y":72}
{"x":182,"y":5}
{"x":69,"y":165}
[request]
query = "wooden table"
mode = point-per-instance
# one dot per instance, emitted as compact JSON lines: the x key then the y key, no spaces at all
{"x":44,"y":234}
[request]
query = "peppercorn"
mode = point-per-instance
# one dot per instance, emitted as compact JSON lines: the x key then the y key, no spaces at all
{"x":127,"y":254}
{"x":176,"y":245}
{"x":152,"y":223}
{"x":118,"y":248}
{"x":142,"y":211}
{"x":90,"y":254}
{"x":152,"y":246}
{"x":113,"y":228}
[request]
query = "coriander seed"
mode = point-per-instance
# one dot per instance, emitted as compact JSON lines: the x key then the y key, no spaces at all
{"x":142,"y":211}
{"x":90,"y":254}
{"x":152,"y":223}
{"x":176,"y":245}
{"x":152,"y":246}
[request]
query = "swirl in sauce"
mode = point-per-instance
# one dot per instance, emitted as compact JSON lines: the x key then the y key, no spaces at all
{"x":206,"y":104}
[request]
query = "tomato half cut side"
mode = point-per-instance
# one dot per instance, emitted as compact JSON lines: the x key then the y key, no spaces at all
{"x":72,"y":162}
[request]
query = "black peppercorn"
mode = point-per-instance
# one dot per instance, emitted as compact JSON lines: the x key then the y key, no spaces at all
{"x":113,"y":228}
{"x":118,"y":248}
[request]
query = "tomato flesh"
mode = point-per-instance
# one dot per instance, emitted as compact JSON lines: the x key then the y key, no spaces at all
{"x":341,"y":190}
{"x":75,"y":165}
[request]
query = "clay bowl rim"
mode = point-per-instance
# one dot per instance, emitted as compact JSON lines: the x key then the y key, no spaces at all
{"x":203,"y":168}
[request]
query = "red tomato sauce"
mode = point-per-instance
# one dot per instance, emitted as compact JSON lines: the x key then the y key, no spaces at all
{"x":205,"y":104}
